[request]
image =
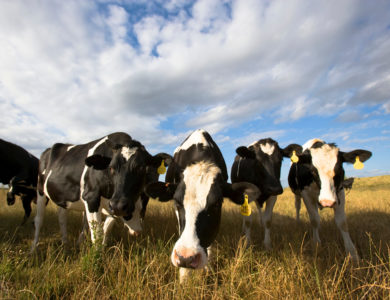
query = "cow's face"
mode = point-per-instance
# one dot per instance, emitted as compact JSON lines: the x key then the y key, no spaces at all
{"x":26,"y":192}
{"x":198,"y":200}
{"x":267,"y":159}
{"x":199,"y":197}
{"x":127,"y":173}
{"x":327,"y":168}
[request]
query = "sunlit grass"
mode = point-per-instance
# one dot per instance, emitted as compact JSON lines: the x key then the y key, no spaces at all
{"x":140,"y":268}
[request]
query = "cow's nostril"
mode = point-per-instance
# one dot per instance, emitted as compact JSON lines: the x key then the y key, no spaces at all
{"x":195,"y":261}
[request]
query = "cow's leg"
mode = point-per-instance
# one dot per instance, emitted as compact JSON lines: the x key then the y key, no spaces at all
{"x":267,"y":220}
{"x":341,"y":222}
{"x":26,"y":201}
{"x":107,"y":227}
{"x":62,"y":220}
{"x":84,"y":230}
{"x":94,"y":222}
{"x":247,"y":225}
{"x":312,"y":210}
{"x":38,"y":220}
{"x":297,"y":206}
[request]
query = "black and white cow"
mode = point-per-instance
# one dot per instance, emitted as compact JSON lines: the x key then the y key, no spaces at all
{"x":197,"y":181}
{"x":318,"y":178}
{"x":107,"y":174}
{"x":260,"y":164}
{"x":18,"y":169}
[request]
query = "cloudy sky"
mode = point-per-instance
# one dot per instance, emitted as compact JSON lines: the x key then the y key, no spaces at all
{"x":74,"y":71}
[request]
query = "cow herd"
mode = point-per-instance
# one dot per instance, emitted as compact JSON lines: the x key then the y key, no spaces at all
{"x":115,"y":176}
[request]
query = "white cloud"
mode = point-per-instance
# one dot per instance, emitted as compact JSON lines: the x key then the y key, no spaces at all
{"x":349,"y":116}
{"x":255,"y":136}
{"x":69,"y":72}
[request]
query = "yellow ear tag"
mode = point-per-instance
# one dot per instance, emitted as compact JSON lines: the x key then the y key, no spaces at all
{"x":245,"y":209}
{"x":161,"y":169}
{"x":294,"y":158}
{"x":358,"y":165}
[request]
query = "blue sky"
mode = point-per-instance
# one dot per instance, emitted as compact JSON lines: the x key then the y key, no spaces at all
{"x":74,"y":71}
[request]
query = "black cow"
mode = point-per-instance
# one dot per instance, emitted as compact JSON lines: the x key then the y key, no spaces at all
{"x":19,"y":169}
{"x":197,"y":182}
{"x":318,"y":178}
{"x":108,"y":174}
{"x":260,"y":164}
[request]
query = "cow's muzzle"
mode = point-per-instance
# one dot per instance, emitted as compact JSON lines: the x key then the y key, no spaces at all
{"x":191,"y":261}
{"x":10,"y":199}
{"x":327,"y":203}
{"x":118,"y":209}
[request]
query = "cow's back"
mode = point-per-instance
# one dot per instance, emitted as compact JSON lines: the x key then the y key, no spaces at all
{"x":63,"y":165}
{"x":14,"y":160}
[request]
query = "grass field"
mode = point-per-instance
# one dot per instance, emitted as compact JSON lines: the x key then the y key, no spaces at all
{"x":140,"y":268}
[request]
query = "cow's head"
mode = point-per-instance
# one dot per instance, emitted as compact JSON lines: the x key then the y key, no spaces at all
{"x":26,"y":192}
{"x":326,"y":165}
{"x":264,"y":161}
{"x":198,"y":199}
{"x":128,"y":171}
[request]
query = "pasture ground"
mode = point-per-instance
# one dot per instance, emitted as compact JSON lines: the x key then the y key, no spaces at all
{"x":140,"y":268}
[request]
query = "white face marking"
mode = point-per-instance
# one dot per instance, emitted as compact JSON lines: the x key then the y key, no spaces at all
{"x":197,"y":137}
{"x":198,"y":179}
{"x":128,"y":152}
{"x":70,"y":147}
{"x":135,"y":223}
{"x":90,"y":152}
{"x":45,"y":185}
{"x":310,"y":143}
{"x":267,"y":148}
{"x":178,"y":218}
{"x":324,"y":160}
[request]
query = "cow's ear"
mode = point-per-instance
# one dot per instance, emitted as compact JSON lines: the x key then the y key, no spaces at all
{"x":156,"y":160}
{"x":244,"y":152}
{"x":350,"y":157}
{"x":288,"y":151}
{"x":160,"y":191}
{"x":98,"y":161}
{"x":236,"y":192}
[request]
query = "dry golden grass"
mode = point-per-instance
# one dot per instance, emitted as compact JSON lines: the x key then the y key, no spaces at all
{"x":140,"y":268}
